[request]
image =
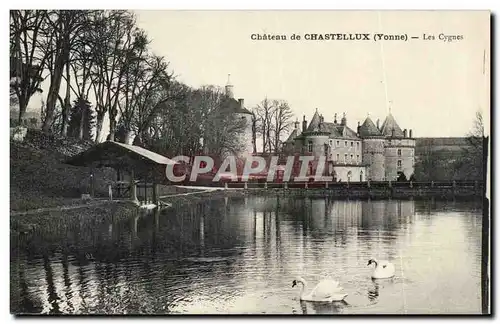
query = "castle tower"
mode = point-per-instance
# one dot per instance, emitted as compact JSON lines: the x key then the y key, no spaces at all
{"x":316,"y":136}
{"x":399,"y":150}
{"x":246,"y":137}
{"x":373,"y":150}
{"x":243,"y":116}
{"x":289,"y":144}
{"x":229,"y":87}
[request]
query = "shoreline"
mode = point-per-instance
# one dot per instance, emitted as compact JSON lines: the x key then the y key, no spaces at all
{"x":198,"y":194}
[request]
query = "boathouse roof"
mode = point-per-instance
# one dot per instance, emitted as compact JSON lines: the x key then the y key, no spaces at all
{"x":118,"y":155}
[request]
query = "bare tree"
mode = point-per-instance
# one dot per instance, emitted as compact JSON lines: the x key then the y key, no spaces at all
{"x":155,"y":92}
{"x":282,"y":116}
{"x":264,"y":113}
{"x":60,"y":31}
{"x":27,"y":61}
{"x":254,"y":131}
{"x":113,"y":32}
{"x":169,"y":129}
{"x":472,"y":162}
{"x":221,"y":128}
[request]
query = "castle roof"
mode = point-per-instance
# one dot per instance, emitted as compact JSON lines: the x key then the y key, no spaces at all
{"x":390,"y":124}
{"x":335,"y":130}
{"x":292,"y":136}
{"x":234,"y":106}
{"x":368,"y":128}
{"x":346,"y":132}
{"x":314,"y":124}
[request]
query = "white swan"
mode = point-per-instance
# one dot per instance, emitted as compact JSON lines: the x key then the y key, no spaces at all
{"x":383,"y":269}
{"x":326,"y":290}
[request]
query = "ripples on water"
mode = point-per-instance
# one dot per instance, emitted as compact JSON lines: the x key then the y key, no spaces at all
{"x":241,"y":256}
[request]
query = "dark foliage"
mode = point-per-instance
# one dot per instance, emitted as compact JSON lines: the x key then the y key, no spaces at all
{"x":82,"y":120}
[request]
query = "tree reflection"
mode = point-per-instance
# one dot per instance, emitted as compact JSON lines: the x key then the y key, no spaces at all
{"x":169,"y":258}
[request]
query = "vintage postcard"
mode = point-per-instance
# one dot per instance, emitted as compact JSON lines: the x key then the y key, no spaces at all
{"x":249,"y":162}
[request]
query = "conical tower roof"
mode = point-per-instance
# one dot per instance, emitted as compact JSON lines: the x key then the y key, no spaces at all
{"x":292,"y":136}
{"x":314,"y":124}
{"x":390,"y":124}
{"x":368,"y":128}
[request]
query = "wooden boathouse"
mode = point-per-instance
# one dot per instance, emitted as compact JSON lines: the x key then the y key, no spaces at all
{"x":133,"y":165}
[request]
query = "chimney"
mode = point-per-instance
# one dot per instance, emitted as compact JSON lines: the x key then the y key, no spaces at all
{"x":335,"y":119}
{"x":297,"y":124}
{"x":241,"y":101}
{"x":343,"y":122}
{"x":378,"y":124}
{"x":304,"y":124}
{"x":359,"y":127}
{"x":404,"y":133}
{"x":411,"y":135}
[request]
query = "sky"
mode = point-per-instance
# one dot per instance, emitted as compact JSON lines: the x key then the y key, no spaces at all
{"x":434,"y":87}
{"x":430,"y":86}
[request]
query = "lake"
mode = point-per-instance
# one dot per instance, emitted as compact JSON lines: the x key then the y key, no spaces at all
{"x":240,"y":256}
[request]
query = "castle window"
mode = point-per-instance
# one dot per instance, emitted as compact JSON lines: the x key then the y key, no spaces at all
{"x":338,"y":157}
{"x":345,"y":158}
{"x":310,"y":146}
{"x":352,"y":144}
{"x":357,"y":157}
{"x":357,"y":144}
{"x":338,"y":143}
{"x":399,"y":163}
{"x":399,"y":152}
{"x":345,"y":144}
{"x":352,"y":157}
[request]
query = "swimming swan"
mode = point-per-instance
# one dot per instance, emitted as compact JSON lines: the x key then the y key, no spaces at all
{"x":383,"y":269}
{"x":326,"y":290}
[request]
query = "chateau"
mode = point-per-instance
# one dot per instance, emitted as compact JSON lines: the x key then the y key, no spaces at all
{"x":372,"y":152}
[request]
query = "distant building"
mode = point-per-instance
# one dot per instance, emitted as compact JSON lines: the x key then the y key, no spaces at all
{"x":372,"y":152}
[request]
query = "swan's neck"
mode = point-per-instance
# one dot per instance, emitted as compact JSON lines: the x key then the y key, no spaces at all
{"x":376,"y":263}
{"x":302,"y":290}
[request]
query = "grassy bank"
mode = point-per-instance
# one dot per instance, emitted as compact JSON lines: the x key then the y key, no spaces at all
{"x":39,"y":177}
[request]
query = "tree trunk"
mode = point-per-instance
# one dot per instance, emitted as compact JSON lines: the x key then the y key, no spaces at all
{"x":112,"y":126}
{"x":82,"y":123}
{"x":99,"y":121}
{"x":22,"y":110}
{"x":55,"y":85}
{"x":67,"y":104}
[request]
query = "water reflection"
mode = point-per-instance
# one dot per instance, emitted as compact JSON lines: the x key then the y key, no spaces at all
{"x":238,"y":256}
{"x":309,"y":308}
{"x":373,"y":292}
